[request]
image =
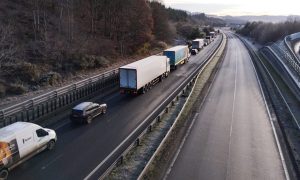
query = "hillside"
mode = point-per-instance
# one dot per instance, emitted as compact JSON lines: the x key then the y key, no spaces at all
{"x":46,"y":43}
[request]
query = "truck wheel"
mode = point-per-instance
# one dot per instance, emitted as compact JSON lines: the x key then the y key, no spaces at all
{"x":51,"y":145}
{"x":103,"y":111}
{"x":143,"y":90}
{"x":3,"y":174}
{"x":161,"y":78}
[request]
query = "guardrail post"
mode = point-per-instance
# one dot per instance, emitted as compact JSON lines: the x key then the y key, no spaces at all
{"x":38,"y":111}
{"x":55,"y":103}
{"x":47,"y":107}
{"x":173,"y":103}
{"x":184,"y":92}
{"x":68,"y":98}
{"x":158,"y":118}
{"x":27,"y":116}
{"x":137,"y":141}
{"x":75,"y":95}
{"x":43,"y":109}
{"x":22,"y":116}
{"x":10,"y":120}
{"x":121,"y":159}
{"x":51,"y":106}
{"x":167,"y":110}
{"x":59,"y":102}
{"x":150,"y":128}
{"x":2,"y":117}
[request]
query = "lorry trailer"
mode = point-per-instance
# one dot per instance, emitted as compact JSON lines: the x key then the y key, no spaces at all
{"x":177,"y":55}
{"x":138,"y":77}
{"x":198,"y":44}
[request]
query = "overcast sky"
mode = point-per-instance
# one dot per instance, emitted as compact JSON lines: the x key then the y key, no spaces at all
{"x":238,"y":7}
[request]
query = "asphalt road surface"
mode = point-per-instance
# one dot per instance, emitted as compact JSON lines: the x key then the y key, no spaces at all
{"x":81,"y":148}
{"x":232,"y":137}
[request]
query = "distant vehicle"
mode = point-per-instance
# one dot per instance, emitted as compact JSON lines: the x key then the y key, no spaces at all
{"x":198,"y":44}
{"x":194,"y":51}
{"x":85,"y":112}
{"x":206,"y":42}
{"x":210,"y":38}
{"x":138,"y":77}
{"x":212,"y":34}
{"x":177,"y":55}
{"x":20,"y":141}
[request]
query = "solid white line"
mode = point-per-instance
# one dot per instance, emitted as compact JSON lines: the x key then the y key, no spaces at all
{"x":180,"y":147}
{"x":232,"y":120}
{"x":51,"y":162}
{"x":286,"y":173}
{"x":61,"y":125}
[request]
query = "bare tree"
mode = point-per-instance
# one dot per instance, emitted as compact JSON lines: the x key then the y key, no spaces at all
{"x":8,"y":47}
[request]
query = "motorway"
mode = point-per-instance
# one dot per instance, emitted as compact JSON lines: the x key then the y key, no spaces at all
{"x":232,"y":137}
{"x":81,"y":148}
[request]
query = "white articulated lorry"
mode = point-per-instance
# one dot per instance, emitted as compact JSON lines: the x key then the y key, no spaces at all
{"x":140,"y":76}
{"x":20,"y":141}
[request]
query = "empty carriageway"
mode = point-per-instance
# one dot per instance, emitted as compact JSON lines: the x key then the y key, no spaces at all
{"x":232,"y":136}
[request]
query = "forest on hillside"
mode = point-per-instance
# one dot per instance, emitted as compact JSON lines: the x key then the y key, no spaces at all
{"x":42,"y":41}
{"x":270,"y":32}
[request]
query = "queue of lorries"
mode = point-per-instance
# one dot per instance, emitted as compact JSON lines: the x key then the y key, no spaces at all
{"x":22,"y":140}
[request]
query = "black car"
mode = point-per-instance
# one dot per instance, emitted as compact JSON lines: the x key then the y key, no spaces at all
{"x":86,"y":111}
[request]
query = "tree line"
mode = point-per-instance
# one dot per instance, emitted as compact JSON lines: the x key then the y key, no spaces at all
{"x":269,"y":32}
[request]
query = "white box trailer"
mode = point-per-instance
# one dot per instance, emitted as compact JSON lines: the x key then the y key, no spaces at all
{"x":140,"y":76}
{"x":198,"y":44}
{"x":20,"y":141}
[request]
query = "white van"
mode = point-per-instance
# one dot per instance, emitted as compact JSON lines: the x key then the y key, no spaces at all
{"x":20,"y":141}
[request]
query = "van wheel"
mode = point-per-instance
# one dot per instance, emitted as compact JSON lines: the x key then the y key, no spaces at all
{"x":89,"y":120}
{"x":103,"y":111}
{"x":3,"y":174}
{"x":51,"y":145}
